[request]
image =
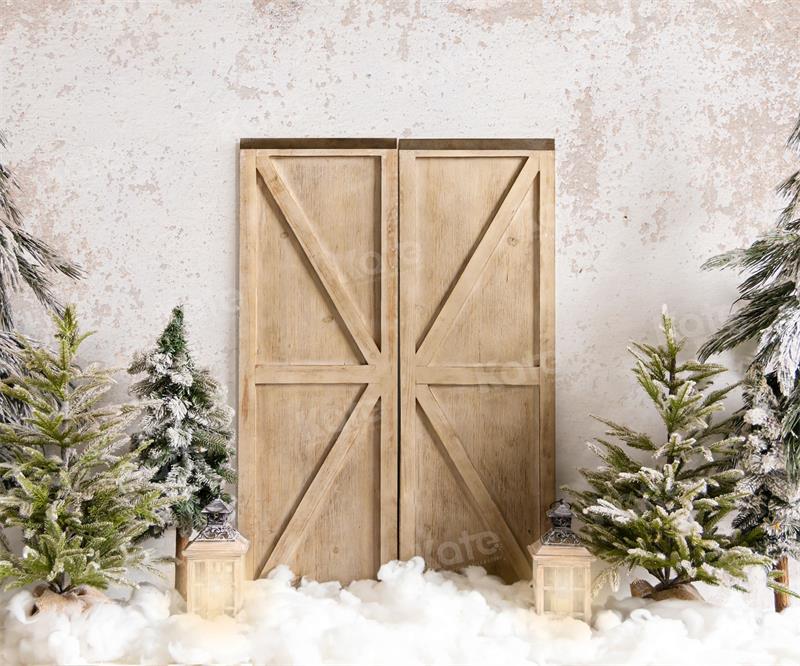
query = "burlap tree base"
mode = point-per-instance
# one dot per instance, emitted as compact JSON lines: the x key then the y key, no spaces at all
{"x":78,"y":600}
{"x":644,"y":590}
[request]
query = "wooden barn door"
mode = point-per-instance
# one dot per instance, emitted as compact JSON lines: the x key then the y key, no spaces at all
{"x":476,"y":348}
{"x":318,"y":356}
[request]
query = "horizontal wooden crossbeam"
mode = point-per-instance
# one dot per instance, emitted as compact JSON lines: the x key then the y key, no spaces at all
{"x":471,"y":375}
{"x":317,"y":374}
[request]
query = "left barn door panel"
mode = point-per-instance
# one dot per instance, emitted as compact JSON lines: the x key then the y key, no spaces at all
{"x":318,"y":357}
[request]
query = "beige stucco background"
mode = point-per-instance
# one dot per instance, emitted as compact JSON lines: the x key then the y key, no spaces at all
{"x":669,"y":118}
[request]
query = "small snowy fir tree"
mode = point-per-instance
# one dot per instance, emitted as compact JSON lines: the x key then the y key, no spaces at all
{"x":79,"y":496}
{"x":664,"y":514}
{"x":186,"y":427}
{"x":770,"y":309}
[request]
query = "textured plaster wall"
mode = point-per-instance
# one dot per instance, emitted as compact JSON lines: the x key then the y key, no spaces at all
{"x":669,"y":120}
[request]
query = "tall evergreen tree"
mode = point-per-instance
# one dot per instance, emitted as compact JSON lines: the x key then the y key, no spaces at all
{"x":24,"y":260}
{"x":79,"y":496}
{"x":186,"y":428}
{"x":664,"y":514}
{"x":769,"y":313}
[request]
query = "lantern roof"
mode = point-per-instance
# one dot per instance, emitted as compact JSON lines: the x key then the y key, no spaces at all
{"x":217,"y":549}
{"x":560,"y":540}
{"x":542,"y":550}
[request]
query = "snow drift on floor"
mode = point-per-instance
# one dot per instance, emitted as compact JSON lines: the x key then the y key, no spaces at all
{"x":409,"y":616}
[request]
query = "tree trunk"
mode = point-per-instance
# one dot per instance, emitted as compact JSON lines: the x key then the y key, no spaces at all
{"x":180,"y":563}
{"x":781,"y":598}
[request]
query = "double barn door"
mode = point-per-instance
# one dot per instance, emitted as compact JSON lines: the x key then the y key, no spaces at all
{"x":396,"y":353}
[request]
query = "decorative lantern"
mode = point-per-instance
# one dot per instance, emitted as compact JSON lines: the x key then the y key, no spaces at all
{"x":215,"y":565}
{"x":562,"y":568}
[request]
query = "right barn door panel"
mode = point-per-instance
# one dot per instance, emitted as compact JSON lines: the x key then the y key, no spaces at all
{"x":476,"y":351}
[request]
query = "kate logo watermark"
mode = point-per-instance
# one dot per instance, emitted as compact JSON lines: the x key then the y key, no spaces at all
{"x":479,"y":548}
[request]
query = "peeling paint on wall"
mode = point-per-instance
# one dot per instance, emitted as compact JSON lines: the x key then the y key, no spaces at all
{"x":669,"y":120}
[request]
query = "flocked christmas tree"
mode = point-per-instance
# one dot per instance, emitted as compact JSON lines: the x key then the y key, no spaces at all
{"x":770,"y":314}
{"x":187,"y":428}
{"x":24,"y":261}
{"x":664,"y":514}
{"x":80,"y":497}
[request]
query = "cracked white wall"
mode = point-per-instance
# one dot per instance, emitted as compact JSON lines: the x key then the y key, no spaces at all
{"x":669,"y":119}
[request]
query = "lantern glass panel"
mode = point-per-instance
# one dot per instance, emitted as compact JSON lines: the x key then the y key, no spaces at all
{"x":199,"y":587}
{"x":564,"y":589}
{"x":563,"y":578}
{"x":221,"y":595}
{"x":579,"y":578}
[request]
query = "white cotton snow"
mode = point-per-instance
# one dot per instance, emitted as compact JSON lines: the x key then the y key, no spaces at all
{"x":408,"y":616}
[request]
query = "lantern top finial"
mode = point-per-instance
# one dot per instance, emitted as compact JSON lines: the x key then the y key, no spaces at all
{"x":560,"y":534}
{"x":217,"y":526}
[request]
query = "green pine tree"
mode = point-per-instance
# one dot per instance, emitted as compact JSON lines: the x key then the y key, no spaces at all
{"x":79,"y":496}
{"x":186,"y":425}
{"x":664,"y":514}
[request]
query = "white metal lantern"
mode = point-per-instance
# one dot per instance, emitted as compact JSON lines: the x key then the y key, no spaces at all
{"x":215,"y":565}
{"x":562,"y":568}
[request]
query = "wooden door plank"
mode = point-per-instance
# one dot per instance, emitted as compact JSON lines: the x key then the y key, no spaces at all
{"x":477,"y":262}
{"x":484,"y":375}
{"x":248,"y":277}
{"x":318,"y":374}
{"x":290,"y":539}
{"x":471,"y":481}
{"x":547,"y":333}
{"x":320,"y":261}
{"x":408,"y":402}
{"x":389,"y":346}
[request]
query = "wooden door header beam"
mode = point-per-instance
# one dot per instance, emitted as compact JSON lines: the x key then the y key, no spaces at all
{"x":301,"y":144}
{"x":477,"y":144}
{"x":402,"y":144}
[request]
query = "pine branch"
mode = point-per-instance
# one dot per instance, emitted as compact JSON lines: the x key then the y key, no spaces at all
{"x":24,"y":259}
